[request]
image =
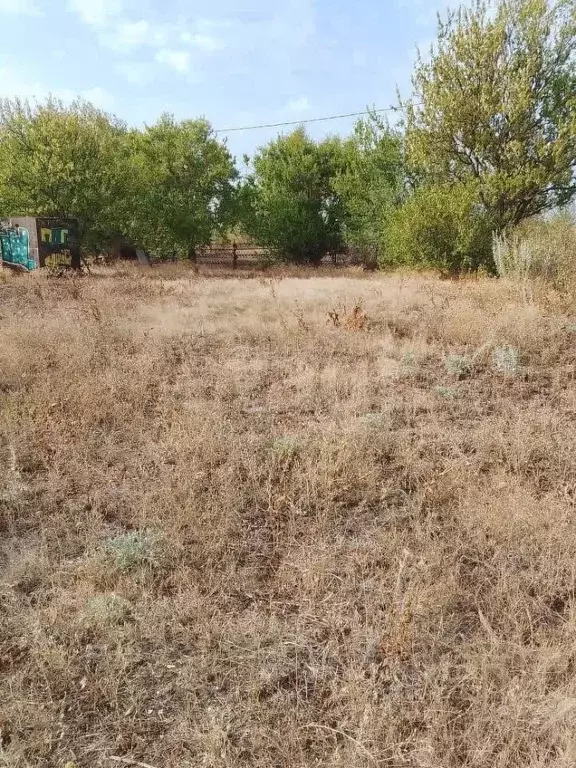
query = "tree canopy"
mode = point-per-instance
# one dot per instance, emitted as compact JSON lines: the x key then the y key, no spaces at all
{"x":166,"y":188}
{"x":291,"y":204}
{"x":370,"y":180}
{"x":61,"y":160}
{"x":496,"y":105}
{"x":181,"y":186}
{"x":307,"y":198}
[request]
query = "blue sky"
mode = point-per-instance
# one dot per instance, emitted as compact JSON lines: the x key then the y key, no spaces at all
{"x":236,"y":62}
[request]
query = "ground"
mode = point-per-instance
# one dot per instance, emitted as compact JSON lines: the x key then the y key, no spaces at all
{"x":286,"y":522}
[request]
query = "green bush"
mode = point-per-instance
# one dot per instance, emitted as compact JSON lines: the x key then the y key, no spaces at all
{"x":442,"y":228}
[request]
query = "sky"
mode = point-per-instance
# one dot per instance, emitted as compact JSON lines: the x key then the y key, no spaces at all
{"x":235,"y":62}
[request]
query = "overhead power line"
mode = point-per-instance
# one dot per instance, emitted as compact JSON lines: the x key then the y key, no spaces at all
{"x":308,"y":120}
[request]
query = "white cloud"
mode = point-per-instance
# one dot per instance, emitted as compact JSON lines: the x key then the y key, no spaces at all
{"x":141,"y":32}
{"x":208,"y":26}
{"x":207,"y":43}
{"x":170,"y":43}
{"x":12,"y":85}
{"x":259,"y":37}
{"x":100,"y":97}
{"x":298,"y":105}
{"x":96,"y":13}
{"x":135,"y":72}
{"x":177,"y":60}
{"x":126,"y":35}
{"x":20,"y":8}
{"x":97,"y":96}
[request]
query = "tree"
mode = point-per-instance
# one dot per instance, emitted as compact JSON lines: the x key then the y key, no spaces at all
{"x":62,"y":161}
{"x":439,"y":227}
{"x":496,"y":103}
{"x":371,"y":183}
{"x":182,"y":186}
{"x":290,"y":202}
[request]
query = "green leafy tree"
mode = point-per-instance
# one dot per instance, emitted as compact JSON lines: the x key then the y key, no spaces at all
{"x":496,"y":104}
{"x":290,"y":203}
{"x":182,"y":187}
{"x":371,"y":184}
{"x":63,"y":161}
{"x":440,"y":227}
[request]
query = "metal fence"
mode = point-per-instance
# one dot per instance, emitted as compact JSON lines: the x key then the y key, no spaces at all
{"x":234,"y":255}
{"x":250,"y":256}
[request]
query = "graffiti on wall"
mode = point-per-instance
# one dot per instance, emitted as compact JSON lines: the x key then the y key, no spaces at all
{"x":15,"y":242}
{"x":54,"y":243}
{"x":29,"y":242}
{"x":54,"y":235}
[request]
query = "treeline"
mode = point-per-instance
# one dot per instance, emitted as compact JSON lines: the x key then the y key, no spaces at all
{"x":487,"y":140}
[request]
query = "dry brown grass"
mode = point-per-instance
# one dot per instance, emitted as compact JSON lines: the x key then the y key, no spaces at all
{"x":234,"y":533}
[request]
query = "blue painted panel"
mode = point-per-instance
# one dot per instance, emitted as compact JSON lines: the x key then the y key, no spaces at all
{"x":16,"y":247}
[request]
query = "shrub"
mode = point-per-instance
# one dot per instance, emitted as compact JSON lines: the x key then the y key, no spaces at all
{"x":286,"y":447}
{"x":506,"y":360}
{"x":448,"y":393}
{"x":512,"y":256}
{"x":373,"y":419}
{"x":538,"y":249}
{"x":409,"y":365}
{"x":458,"y":365}
{"x":132,"y":550}
{"x":439,"y":227}
{"x":108,"y":609}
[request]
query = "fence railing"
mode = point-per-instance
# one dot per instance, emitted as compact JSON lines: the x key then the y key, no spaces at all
{"x":250,"y":256}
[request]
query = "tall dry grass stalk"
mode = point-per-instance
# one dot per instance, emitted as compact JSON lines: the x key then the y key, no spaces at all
{"x":539,"y":250}
{"x":235,"y":533}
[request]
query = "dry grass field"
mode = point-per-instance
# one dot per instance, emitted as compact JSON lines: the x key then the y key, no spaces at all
{"x":283,"y":523}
